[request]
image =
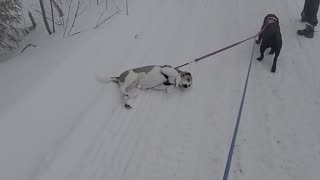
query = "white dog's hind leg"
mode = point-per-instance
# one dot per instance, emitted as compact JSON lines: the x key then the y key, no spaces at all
{"x":132,"y":93}
{"x":125,"y":95}
{"x":126,"y":99}
{"x":128,"y":81}
{"x":125,"y":86}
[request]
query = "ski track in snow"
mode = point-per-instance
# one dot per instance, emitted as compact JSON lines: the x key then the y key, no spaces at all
{"x":67,"y":126}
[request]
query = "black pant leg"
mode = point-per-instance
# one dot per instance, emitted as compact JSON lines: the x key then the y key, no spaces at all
{"x":310,"y":10}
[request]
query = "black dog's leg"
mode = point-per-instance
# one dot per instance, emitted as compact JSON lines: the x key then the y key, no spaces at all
{"x":258,"y":41}
{"x":262,"y":49}
{"x":274,"y":65}
{"x":271,"y":51}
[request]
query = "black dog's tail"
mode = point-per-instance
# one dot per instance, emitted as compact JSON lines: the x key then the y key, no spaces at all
{"x":107,"y":79}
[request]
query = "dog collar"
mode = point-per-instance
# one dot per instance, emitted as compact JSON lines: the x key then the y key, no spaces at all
{"x":271,"y":20}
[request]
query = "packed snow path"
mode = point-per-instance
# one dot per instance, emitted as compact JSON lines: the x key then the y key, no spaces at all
{"x":58,"y":123}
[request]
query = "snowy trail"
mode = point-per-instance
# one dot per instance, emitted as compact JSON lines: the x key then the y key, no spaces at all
{"x":279,"y":138}
{"x":165,"y":144}
{"x":69,"y":127}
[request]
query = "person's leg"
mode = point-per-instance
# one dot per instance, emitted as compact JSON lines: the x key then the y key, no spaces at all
{"x":309,"y":15}
{"x":310,"y":11}
{"x":303,"y":16}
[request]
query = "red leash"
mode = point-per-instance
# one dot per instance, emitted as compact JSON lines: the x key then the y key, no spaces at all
{"x":223,"y":49}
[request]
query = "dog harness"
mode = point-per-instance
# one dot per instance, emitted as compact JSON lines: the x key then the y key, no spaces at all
{"x":167,"y":82}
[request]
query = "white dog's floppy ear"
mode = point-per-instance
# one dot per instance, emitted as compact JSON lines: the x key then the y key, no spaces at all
{"x":184,"y":73}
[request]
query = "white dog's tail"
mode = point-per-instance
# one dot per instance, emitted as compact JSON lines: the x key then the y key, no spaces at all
{"x":107,"y":79}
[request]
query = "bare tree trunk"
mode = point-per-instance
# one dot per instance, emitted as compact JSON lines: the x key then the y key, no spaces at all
{"x":127,"y":8}
{"x":75,"y":17}
{"x":52,"y":17}
{"x":100,"y":23}
{"x":48,"y":18}
{"x":97,"y":2}
{"x":32,"y":20}
{"x":66,"y":25}
{"x":58,"y":8}
{"x":45,"y":17}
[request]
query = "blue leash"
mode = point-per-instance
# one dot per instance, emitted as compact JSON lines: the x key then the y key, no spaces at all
{"x":227,"y":169}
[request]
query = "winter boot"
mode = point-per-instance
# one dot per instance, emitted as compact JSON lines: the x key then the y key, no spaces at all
{"x":308,"y":31}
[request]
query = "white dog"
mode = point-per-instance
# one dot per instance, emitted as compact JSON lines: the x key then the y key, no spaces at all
{"x":149,"y":77}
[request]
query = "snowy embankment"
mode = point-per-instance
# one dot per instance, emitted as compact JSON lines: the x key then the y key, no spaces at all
{"x":57,"y":122}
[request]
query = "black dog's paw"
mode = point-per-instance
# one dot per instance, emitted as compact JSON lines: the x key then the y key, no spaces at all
{"x":271,"y":52}
{"x":258,"y":41}
{"x":273,"y":69}
{"x":127,"y":106}
{"x":259,"y":58}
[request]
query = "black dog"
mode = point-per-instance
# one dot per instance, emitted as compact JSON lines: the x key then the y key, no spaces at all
{"x":271,"y":38}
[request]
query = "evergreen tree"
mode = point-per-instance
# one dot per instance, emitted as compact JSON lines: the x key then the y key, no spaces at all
{"x":10,"y":17}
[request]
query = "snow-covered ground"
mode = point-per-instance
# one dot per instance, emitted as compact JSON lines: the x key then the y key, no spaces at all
{"x":58,"y":123}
